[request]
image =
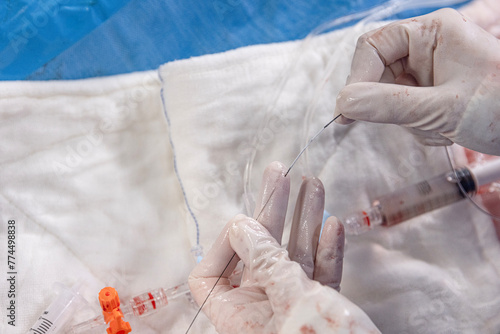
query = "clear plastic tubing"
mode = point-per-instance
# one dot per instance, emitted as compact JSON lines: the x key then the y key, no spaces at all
{"x":140,"y":305}
{"x":422,"y":197}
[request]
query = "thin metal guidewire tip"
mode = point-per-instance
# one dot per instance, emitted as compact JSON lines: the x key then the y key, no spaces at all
{"x":223,"y":271}
{"x":211,"y":290}
{"x":309,"y":143}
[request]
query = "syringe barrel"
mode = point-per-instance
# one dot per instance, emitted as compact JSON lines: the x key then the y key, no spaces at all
{"x":425,"y":196}
{"x":60,"y":311}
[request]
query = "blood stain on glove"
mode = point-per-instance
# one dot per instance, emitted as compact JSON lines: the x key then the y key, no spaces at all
{"x":307,"y":330}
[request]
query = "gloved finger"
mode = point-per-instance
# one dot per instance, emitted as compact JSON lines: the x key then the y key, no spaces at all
{"x":330,"y":254}
{"x":394,"y":75}
{"x":429,"y":138}
{"x":342,"y":119}
{"x":272,"y":203}
{"x":366,"y":65}
{"x":268,"y":264}
{"x":385,"y":46}
{"x":306,"y":225}
{"x":388,"y":76}
{"x":485,"y":14}
{"x":296,"y":301}
{"x":398,"y":73}
{"x":271,"y":206}
{"x":206,"y":273}
{"x":406,"y":80}
{"x":491,"y":202}
{"x":379,"y":48}
{"x":425,"y":108}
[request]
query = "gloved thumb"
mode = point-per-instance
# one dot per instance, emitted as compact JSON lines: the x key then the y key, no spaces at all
{"x":424,"y":108}
{"x":268,"y":263}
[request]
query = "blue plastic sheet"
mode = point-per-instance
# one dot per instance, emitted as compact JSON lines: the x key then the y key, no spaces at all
{"x":34,"y":32}
{"x":65,"y":39}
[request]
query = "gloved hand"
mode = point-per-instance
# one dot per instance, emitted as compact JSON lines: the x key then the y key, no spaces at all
{"x":489,"y":193}
{"x":437,"y":74}
{"x":276,"y":294}
{"x":485,"y":13}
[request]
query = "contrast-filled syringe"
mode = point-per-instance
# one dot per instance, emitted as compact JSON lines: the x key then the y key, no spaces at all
{"x":140,"y":305}
{"x":422,"y":197}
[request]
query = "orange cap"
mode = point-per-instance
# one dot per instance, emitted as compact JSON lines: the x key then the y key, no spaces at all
{"x":110,"y":304}
{"x":108,"y":298}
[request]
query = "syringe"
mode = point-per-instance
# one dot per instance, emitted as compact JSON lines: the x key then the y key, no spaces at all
{"x":140,"y":305}
{"x":422,"y":197}
{"x":60,"y":311}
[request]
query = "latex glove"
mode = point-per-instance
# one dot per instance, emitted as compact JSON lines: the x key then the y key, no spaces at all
{"x":485,"y":13}
{"x":276,"y":295}
{"x":489,"y":193}
{"x":437,"y":74}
